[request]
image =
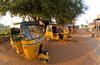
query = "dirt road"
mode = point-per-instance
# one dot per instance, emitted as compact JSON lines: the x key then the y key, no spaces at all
{"x":83,"y":50}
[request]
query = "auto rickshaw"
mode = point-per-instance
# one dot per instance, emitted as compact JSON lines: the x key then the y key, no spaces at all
{"x":57,"y":32}
{"x":28,"y":41}
{"x":71,"y":28}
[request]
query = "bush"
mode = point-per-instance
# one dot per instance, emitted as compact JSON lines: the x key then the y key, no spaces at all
{"x":4,"y":32}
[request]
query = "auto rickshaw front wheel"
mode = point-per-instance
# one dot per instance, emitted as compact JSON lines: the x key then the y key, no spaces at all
{"x":47,"y":60}
{"x":44,"y":56}
{"x":44,"y":60}
{"x":13,"y":49}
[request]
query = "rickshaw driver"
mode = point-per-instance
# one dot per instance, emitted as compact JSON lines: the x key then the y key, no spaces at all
{"x":54,"y":31}
{"x":60,"y":35}
{"x":75,"y":29}
{"x":69,"y":29}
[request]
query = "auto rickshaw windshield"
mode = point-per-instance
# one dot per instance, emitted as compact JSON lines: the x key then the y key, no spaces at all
{"x":67,"y":29}
{"x":31,"y":31}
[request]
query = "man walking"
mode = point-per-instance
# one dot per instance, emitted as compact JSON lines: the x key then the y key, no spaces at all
{"x":93,"y":33}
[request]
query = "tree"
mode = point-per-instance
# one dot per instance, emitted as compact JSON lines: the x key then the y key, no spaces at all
{"x":1,"y":25}
{"x":66,"y":10}
{"x":82,"y":25}
{"x":86,"y":25}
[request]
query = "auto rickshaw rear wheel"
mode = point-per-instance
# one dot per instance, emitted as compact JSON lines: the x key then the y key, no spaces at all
{"x":47,"y":60}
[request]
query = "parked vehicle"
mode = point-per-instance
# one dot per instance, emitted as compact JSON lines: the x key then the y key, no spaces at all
{"x":28,"y":41}
{"x":71,"y":28}
{"x":57,"y":32}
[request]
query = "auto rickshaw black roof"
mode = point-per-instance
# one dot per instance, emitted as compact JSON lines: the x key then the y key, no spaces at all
{"x":57,"y":24}
{"x":61,"y":25}
{"x":26,"y":22}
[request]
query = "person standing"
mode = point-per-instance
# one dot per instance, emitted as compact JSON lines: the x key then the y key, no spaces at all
{"x":69,"y":29}
{"x":75,"y":30}
{"x":93,"y":33}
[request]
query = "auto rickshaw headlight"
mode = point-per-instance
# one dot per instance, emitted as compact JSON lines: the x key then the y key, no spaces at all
{"x":45,"y":52}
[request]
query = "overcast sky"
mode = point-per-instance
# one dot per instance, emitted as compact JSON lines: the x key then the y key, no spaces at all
{"x":91,"y":14}
{"x":7,"y":20}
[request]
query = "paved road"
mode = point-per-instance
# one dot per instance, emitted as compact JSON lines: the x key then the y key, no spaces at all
{"x":83,"y":50}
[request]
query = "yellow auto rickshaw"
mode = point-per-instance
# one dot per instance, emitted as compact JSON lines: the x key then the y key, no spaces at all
{"x":71,"y":28}
{"x":57,"y":32}
{"x":28,"y":41}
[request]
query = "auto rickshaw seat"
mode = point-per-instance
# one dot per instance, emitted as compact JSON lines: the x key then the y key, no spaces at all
{"x":14,"y":33}
{"x":61,"y":36}
{"x":15,"y":36}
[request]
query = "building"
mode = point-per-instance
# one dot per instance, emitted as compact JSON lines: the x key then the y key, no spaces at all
{"x":97,"y":26}
{"x":91,"y":26}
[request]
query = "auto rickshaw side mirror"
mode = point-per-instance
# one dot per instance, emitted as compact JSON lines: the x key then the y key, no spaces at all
{"x":21,"y":36}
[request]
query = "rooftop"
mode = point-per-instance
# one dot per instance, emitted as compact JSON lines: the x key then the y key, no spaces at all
{"x":91,"y":23}
{"x":97,"y":19}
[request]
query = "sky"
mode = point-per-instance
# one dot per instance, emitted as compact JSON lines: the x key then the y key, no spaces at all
{"x":8,"y":20}
{"x":91,"y":14}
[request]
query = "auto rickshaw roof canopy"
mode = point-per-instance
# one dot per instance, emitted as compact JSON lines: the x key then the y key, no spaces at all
{"x":26,"y":22}
{"x":15,"y":25}
{"x":56,"y":25}
{"x":49,"y":27}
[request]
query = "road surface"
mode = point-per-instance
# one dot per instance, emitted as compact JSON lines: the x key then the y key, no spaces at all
{"x":83,"y":50}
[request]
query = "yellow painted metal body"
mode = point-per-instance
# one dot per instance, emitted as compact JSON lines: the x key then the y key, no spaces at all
{"x":17,"y":46}
{"x":43,"y":56}
{"x":29,"y":49}
{"x":50,"y":33}
{"x":72,"y":30}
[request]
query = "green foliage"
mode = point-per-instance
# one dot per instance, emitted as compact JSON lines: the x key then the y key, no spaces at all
{"x":4,"y":32}
{"x":82,"y":25}
{"x":61,"y":21}
{"x":60,"y":9}
{"x":77,"y":26}
{"x":86,"y":25}
{"x":1,"y":25}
